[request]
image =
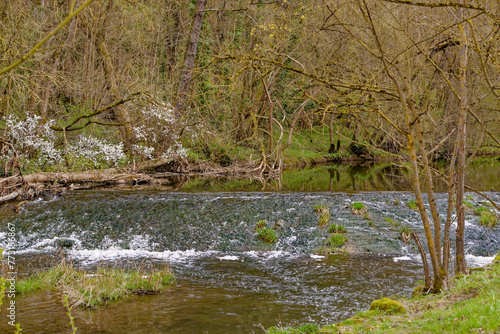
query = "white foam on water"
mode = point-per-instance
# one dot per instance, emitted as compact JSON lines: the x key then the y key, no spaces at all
{"x":402,"y":258}
{"x":229,"y":258}
{"x":267,"y":255}
{"x":114,"y":253}
{"x":317,"y":257}
{"x":478,"y":261}
{"x":141,"y":242}
{"x":44,"y":245}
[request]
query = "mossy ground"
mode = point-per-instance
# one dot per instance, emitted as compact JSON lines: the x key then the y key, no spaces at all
{"x":472,"y":305}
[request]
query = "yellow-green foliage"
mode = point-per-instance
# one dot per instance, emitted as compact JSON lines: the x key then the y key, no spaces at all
{"x":418,"y":291}
{"x":387,"y":305}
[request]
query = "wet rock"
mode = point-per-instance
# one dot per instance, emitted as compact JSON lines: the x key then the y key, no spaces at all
{"x":64,"y":243}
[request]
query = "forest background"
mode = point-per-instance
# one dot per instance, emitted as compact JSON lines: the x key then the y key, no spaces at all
{"x":241,"y":81}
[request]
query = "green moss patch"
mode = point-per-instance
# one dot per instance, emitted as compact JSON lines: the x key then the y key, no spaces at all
{"x":387,"y":305}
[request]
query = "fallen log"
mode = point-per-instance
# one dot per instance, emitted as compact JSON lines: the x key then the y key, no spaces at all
{"x":26,"y":187}
{"x":66,"y":178}
{"x":10,"y":196}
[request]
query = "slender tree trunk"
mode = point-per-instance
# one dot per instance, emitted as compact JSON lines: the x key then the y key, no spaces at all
{"x":427,"y":275}
{"x":55,"y":66}
{"x":120,"y":114}
{"x":402,"y":88}
{"x":462,"y":148}
{"x":6,"y":98}
{"x":189,"y":58}
{"x":270,"y":116}
{"x":332,"y":144}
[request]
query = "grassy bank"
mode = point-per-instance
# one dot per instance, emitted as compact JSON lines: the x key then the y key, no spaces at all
{"x":92,"y":289}
{"x":472,"y":305}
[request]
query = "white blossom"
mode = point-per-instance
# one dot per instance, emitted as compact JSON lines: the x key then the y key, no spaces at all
{"x":145,"y":151}
{"x":30,"y":136}
{"x":96,"y":149}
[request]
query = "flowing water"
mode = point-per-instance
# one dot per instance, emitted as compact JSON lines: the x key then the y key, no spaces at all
{"x":227,"y":280}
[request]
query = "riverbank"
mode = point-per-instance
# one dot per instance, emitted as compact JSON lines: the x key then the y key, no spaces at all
{"x":482,"y":174}
{"x":470,"y":306}
{"x":309,"y":147}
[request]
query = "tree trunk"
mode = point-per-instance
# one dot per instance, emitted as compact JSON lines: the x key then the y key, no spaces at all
{"x":462,"y":148}
{"x":120,"y":114}
{"x":189,"y":58}
{"x":55,"y":65}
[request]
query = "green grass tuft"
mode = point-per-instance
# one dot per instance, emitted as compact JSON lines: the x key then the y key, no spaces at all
{"x":480,"y":210}
{"x":93,"y":289}
{"x":405,"y":234}
{"x":324,"y":214}
{"x":360,"y":209}
{"x":337,"y":240}
{"x":320,"y":208}
{"x":334,"y":228}
{"x":412,"y":205}
{"x":357,"y":206}
{"x":393,"y":223}
{"x":488,"y":219}
{"x":267,"y":235}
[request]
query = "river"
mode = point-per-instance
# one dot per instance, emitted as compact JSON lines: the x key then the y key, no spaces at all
{"x":227,"y":280}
